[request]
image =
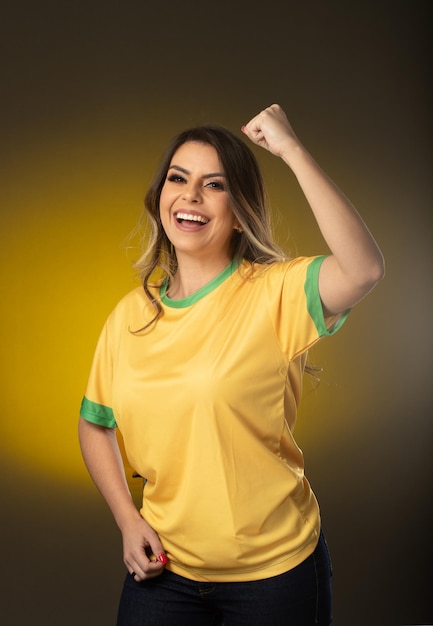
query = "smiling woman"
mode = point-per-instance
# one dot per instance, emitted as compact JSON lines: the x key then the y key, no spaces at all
{"x":197,"y":217}
{"x":234,"y":172}
{"x":205,"y":392}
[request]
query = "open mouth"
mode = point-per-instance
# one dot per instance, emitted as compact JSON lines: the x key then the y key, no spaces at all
{"x":190,"y":217}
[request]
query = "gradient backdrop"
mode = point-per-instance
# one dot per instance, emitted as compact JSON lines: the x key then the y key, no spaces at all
{"x":92,"y":92}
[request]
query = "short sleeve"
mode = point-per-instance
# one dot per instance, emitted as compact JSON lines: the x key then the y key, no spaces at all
{"x":295,"y":305}
{"x":324,"y":326}
{"x":96,"y":406}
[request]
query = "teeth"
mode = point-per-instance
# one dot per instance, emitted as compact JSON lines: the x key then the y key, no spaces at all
{"x":191,"y":218}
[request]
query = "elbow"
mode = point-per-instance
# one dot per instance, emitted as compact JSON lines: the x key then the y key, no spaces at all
{"x":374,"y":274}
{"x":378,"y":270}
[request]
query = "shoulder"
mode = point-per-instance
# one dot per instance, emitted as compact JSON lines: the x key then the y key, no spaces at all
{"x":280,"y":272}
{"x":132,"y":299}
{"x":131,"y":309}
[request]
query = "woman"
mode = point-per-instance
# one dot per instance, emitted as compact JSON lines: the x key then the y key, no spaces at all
{"x":202,"y":369}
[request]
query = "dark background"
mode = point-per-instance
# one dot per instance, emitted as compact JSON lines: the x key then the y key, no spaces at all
{"x":91,"y":92}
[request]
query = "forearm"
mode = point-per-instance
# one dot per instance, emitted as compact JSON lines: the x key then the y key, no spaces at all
{"x":104,"y":462}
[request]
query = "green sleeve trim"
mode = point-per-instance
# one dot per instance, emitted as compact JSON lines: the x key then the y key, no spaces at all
{"x":314,"y":303}
{"x":97,"y":413}
{"x":204,"y":291}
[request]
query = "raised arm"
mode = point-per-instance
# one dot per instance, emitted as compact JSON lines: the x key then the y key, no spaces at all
{"x":356,"y":264}
{"x":103,"y":460}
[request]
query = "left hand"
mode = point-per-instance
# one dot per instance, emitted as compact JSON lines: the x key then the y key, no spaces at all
{"x":271,"y":130}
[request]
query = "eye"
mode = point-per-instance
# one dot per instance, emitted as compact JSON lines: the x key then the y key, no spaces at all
{"x":176,"y":178}
{"x":216,"y":184}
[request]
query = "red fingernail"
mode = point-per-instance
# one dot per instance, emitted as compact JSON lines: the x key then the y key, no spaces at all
{"x":162,"y":558}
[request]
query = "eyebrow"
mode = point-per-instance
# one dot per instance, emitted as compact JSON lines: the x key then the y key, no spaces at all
{"x":182,"y":169}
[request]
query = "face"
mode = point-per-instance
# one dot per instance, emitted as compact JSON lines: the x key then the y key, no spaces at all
{"x":194,"y":205}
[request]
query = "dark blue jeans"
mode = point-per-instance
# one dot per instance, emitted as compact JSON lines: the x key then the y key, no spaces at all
{"x":300,"y":597}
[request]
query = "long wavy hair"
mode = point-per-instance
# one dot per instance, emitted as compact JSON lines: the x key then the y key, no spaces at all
{"x":244,"y":184}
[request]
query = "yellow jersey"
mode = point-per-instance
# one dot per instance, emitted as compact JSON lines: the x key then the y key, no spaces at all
{"x":206,"y":402}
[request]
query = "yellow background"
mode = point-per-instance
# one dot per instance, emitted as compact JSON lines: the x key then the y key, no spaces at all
{"x":92,"y":94}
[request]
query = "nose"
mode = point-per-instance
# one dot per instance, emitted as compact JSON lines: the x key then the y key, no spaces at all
{"x":191,"y":193}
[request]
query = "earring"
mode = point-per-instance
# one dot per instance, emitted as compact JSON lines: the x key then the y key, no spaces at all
{"x":238,"y":229}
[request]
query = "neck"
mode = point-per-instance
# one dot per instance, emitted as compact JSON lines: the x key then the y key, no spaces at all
{"x":192,"y":274}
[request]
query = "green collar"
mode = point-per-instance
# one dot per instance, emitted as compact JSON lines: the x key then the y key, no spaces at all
{"x":203,"y":291}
